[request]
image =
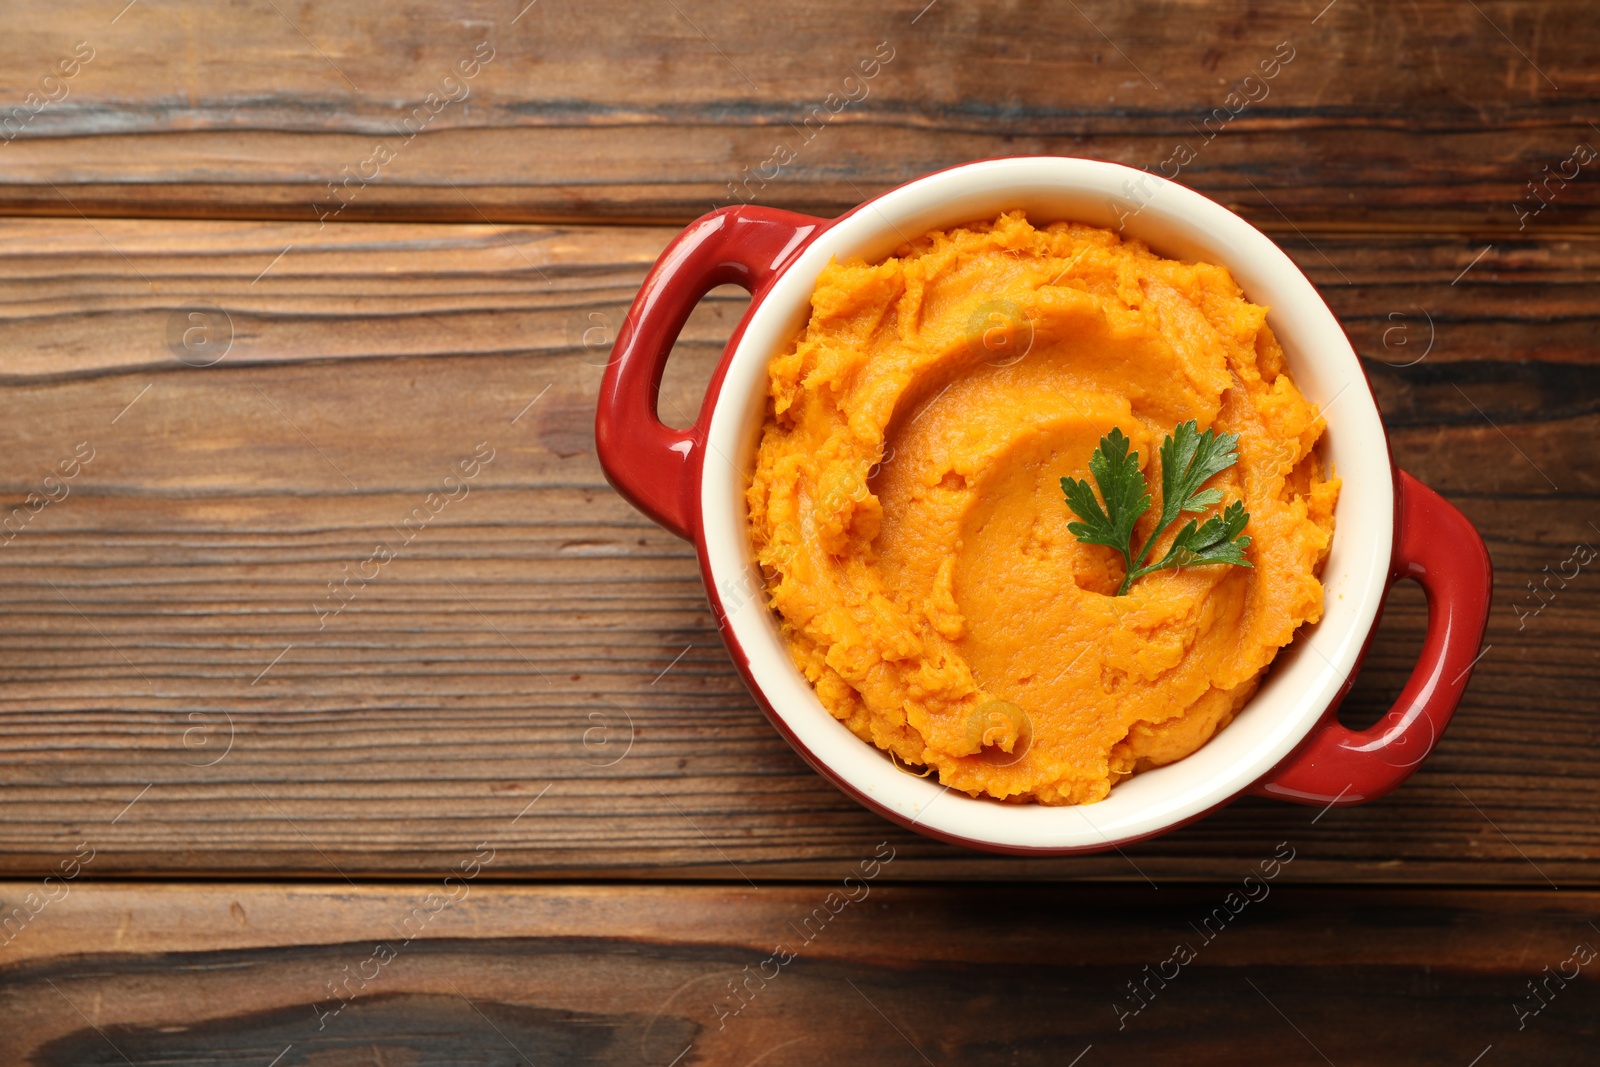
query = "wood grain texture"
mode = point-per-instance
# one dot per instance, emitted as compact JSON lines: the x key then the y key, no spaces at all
{"x":170,"y":695}
{"x":240,"y":974}
{"x":1428,"y":114}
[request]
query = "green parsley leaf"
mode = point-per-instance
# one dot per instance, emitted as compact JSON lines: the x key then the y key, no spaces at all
{"x":1121,"y":487}
{"x":1217,"y":541}
{"x":1189,"y":459}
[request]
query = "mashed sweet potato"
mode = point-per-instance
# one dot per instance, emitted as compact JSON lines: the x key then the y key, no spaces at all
{"x":906,"y":504}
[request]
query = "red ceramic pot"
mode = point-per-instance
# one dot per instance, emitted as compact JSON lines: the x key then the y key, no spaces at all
{"x":1286,"y":742}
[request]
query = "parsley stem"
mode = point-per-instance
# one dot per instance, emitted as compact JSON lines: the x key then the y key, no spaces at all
{"x":1127,"y":574}
{"x":1148,"y":545}
{"x":1136,"y":568}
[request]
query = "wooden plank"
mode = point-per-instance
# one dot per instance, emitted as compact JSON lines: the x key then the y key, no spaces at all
{"x":172,"y":695}
{"x":1429,"y":114}
{"x":329,"y":974}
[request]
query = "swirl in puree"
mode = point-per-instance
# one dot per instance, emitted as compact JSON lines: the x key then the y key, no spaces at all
{"x":906,"y":505}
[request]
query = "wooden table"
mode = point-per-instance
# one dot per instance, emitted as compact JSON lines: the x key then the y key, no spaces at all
{"x":509,"y":803}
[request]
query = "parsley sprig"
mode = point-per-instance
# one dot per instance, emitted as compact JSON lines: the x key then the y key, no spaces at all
{"x":1188,"y":459}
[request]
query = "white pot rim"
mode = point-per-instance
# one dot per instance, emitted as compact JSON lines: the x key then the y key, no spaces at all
{"x":1306,"y":679}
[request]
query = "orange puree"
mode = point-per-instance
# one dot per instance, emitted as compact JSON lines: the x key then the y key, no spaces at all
{"x":906,"y":500}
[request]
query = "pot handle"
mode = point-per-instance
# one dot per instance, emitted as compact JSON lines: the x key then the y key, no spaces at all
{"x":1440,"y":550}
{"x":648,"y":462}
